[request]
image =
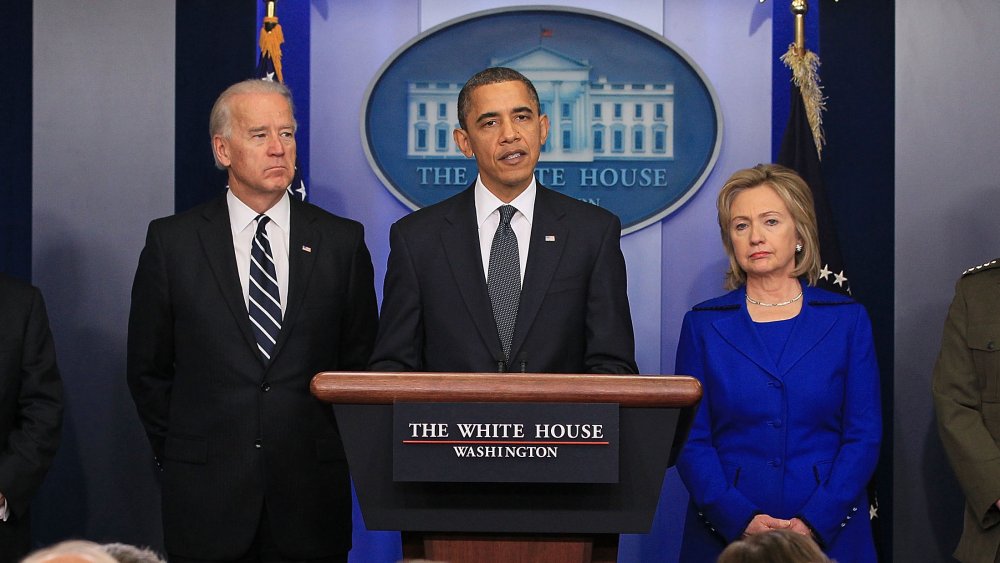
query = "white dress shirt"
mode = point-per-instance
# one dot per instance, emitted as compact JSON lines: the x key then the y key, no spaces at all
{"x":488,"y":218}
{"x":241,"y":220}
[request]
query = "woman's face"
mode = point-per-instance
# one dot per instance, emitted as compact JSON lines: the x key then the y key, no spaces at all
{"x":763,"y":233}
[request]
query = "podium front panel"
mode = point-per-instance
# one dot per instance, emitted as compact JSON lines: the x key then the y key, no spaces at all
{"x":647,"y":441}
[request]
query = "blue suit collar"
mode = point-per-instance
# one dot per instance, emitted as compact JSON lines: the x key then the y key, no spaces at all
{"x":811,"y":325}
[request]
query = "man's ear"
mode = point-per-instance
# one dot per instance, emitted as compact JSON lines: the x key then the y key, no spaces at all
{"x":221,"y":148}
{"x":543,"y":124}
{"x":462,"y":141}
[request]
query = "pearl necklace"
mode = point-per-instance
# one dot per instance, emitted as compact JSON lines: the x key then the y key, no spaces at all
{"x":782,"y":304}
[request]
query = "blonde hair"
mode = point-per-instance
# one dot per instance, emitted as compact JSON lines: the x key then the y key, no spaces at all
{"x":777,"y":546}
{"x":72,"y":550}
{"x":796,"y":196}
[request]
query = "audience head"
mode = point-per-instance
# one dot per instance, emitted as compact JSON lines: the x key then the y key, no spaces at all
{"x":125,"y":553}
{"x":73,"y":551}
{"x":778,"y":546}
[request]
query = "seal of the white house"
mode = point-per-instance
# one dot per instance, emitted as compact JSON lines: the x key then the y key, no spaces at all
{"x":635,"y":126}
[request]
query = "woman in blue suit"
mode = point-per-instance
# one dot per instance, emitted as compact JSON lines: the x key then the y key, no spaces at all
{"x":787,"y":434}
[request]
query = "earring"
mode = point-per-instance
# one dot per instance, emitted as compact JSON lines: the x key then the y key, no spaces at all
{"x":798,"y":247}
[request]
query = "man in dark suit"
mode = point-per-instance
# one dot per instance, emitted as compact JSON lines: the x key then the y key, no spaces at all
{"x":30,"y":409}
{"x":507,"y":275}
{"x":236,"y":305}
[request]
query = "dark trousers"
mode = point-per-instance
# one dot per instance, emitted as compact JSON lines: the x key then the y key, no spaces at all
{"x":262,"y":550}
{"x":15,"y":537}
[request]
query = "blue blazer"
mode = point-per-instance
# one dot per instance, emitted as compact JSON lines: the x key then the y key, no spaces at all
{"x":797,"y":438}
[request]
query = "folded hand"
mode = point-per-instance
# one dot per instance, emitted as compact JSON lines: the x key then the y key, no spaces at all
{"x":762,"y":523}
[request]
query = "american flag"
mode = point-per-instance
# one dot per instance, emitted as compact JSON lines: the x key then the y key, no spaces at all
{"x":269,"y":68}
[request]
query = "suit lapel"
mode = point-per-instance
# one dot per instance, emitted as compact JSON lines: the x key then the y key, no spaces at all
{"x":217,"y":243}
{"x":739,"y":331}
{"x":812,"y":324}
{"x":546,"y":244}
{"x":302,"y":235}
{"x":461,"y":245}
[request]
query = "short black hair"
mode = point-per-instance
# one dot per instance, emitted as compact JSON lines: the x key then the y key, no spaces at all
{"x":492,"y":75}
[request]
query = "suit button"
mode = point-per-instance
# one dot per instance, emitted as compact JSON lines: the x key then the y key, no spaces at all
{"x":991,"y":345}
{"x":265,"y":387}
{"x":776,"y":462}
{"x":776,"y":423}
{"x":257,"y":444}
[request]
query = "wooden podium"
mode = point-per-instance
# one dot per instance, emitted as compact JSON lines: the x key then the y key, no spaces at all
{"x":505,"y":522}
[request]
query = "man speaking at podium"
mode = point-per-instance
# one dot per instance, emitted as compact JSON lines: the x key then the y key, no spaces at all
{"x":506,"y":275}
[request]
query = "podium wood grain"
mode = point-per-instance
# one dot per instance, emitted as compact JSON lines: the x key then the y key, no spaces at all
{"x":366,"y":388}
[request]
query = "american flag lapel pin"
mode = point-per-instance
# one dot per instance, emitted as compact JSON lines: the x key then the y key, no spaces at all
{"x":307,"y":248}
{"x":550,"y":238}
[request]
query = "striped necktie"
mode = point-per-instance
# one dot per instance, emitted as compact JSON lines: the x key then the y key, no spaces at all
{"x":264,"y":305}
{"x":503,"y":279}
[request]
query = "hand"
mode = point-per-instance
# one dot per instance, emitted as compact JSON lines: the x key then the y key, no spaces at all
{"x":997,"y":503}
{"x":799,"y":527}
{"x":762,"y":523}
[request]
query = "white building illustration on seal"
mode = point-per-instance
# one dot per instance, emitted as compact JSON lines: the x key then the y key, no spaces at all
{"x":589,"y":120}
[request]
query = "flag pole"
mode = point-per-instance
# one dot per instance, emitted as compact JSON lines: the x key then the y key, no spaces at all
{"x":269,"y":68}
{"x":271,"y":38}
{"x":804,"y":65}
{"x":800,"y":8}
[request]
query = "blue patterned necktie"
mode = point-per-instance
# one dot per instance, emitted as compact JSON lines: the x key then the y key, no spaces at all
{"x":504,"y":278}
{"x":265,"y":303}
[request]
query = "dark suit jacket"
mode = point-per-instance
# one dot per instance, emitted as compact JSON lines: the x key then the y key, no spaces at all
{"x":573,"y":315}
{"x":231,"y":432}
{"x":966,"y":388}
{"x":30,"y":406}
{"x":794,"y":438}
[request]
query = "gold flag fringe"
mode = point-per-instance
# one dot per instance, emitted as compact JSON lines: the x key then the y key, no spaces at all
{"x":805,"y":75}
{"x":270,"y":44}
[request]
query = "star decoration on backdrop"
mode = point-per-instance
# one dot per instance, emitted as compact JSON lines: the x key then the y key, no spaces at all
{"x":300,"y":191}
{"x":824,"y":272}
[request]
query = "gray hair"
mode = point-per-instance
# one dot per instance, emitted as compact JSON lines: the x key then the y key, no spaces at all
{"x":125,"y":553}
{"x":220,"y":121}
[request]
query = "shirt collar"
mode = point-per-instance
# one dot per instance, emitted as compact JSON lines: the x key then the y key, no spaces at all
{"x":487,"y":203}
{"x":241,"y":216}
